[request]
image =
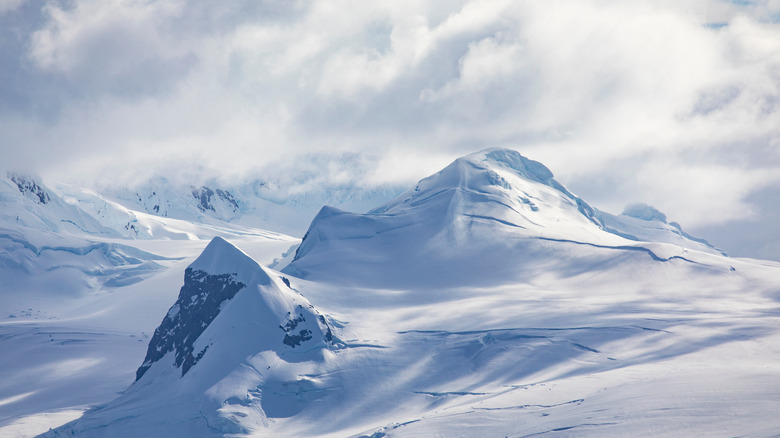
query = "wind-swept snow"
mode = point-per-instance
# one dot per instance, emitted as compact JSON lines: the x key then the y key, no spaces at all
{"x":489,"y":300}
{"x":234,"y":324}
{"x":80,"y":297}
{"x":487,"y":217}
{"x":632,"y":345}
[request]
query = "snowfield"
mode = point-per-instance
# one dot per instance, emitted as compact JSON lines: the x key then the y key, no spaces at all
{"x":486,"y":301}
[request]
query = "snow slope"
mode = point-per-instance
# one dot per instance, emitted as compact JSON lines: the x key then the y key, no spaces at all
{"x":72,"y":341}
{"x":60,"y":246}
{"x":234,"y":326}
{"x":28,"y":203}
{"x":80,"y":294}
{"x":493,"y":213}
{"x":643,"y":223}
{"x":490,"y":301}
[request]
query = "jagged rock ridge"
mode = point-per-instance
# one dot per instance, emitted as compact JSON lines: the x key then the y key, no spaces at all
{"x":30,"y":186}
{"x":220,"y":276}
{"x":198,"y":304}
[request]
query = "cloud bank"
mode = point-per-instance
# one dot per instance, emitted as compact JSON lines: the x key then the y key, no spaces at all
{"x":672,"y":103}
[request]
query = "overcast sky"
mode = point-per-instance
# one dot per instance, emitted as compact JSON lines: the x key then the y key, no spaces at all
{"x":675,"y":103}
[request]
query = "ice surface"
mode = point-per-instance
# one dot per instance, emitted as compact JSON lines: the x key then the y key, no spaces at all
{"x":487,"y":301}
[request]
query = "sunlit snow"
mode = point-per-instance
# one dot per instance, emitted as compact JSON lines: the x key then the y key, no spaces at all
{"x":488,"y":300}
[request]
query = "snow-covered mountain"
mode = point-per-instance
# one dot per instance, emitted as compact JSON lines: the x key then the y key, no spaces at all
{"x":282,"y":197}
{"x":235,"y":329}
{"x":75,"y":240}
{"x":488,"y":300}
{"x":28,"y":203}
{"x":257,"y":203}
{"x":491,"y":213}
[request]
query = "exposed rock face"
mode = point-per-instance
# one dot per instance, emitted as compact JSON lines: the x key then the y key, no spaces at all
{"x":225,"y":289}
{"x":199,"y":302}
{"x":30,"y":188}
{"x":206,"y":198}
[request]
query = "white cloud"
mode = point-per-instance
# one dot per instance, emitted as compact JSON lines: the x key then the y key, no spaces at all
{"x":349,"y":72}
{"x":10,"y":5}
{"x":116,"y":46}
{"x":714,"y":193}
{"x":122,"y":31}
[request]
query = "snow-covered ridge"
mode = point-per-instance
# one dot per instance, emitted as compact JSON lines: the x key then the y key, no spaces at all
{"x":28,"y":186}
{"x":643,"y":223}
{"x":520,"y":191}
{"x":493,"y":208}
{"x":234,"y":328}
{"x":283,"y":198}
{"x":255,"y":203}
{"x":489,"y":300}
{"x":30,"y":204}
{"x":211,"y":283}
{"x":27,"y":202}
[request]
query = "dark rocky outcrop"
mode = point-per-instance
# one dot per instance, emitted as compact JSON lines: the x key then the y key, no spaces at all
{"x":199,"y":302}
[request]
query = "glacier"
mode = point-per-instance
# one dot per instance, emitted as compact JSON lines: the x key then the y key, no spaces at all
{"x":487,"y":300}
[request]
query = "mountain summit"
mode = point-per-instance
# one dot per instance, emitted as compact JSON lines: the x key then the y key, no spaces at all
{"x":231,"y":305}
{"x":497,"y":185}
{"x":489,"y":213}
{"x":234,"y":329}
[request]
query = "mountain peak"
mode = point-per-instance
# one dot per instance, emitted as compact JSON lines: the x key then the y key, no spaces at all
{"x":213,"y":278}
{"x":223,"y":288}
{"x":490,"y":208}
{"x":498,"y":177}
{"x":222,"y":257}
{"x":512,"y":159}
{"x":473,"y":210}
